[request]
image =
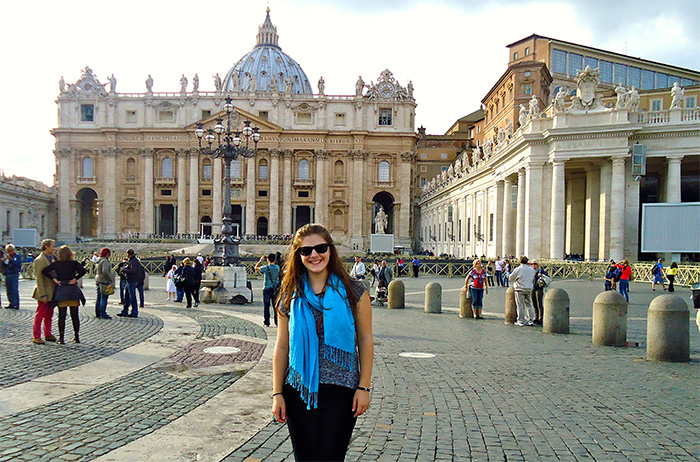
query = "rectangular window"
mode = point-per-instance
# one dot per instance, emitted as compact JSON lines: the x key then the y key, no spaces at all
{"x":206,"y":113}
{"x":87,"y":112}
{"x":443,"y":155}
{"x":166,"y":116}
{"x":263,"y":114}
{"x":206,"y":171}
{"x":450,"y":212}
{"x":661,"y":80}
{"x":206,"y":192}
{"x":620,"y":73}
{"x":423,"y":155}
{"x":657,"y":104}
{"x":303,"y":194}
{"x":647,"y":79}
{"x":527,"y":51}
{"x":478,"y":226}
{"x":444,"y":168}
{"x":469,"y":229}
{"x":514,"y":197}
{"x":131,"y":117}
{"x":263,"y":172}
{"x":606,"y":71}
{"x":166,"y":192}
{"x":422,"y":181}
{"x":673,"y":79}
{"x":690,"y":102}
{"x":423,"y":168}
{"x":491,"y":227}
{"x":262,"y":193}
{"x":591,"y":62}
{"x":575,"y":63}
{"x":559,"y":61}
{"x":686,"y":82}
{"x":459,"y":230}
{"x":478,"y":129}
{"x":21,"y":220}
{"x":340,"y":118}
{"x":634,"y":78}
{"x":303,"y":117}
{"x":515,"y":56}
{"x":385,"y":117}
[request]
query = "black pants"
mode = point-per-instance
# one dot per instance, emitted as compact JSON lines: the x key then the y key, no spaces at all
{"x":195,"y":291}
{"x":415,"y":271}
{"x":189,"y":291}
{"x":321,"y":434}
{"x":538,"y":303}
{"x":62,"y":311}
{"x":671,"y":277}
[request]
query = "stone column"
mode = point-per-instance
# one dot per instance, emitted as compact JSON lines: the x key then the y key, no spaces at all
{"x":181,"y":191}
{"x":217,"y":197}
{"x":357,"y":203}
{"x":65,"y":217}
{"x":321,"y":188}
{"x":592,"y":221}
{"x":250,"y":197}
{"x":498,"y":224}
{"x":109,"y":201}
{"x":274,"y":224}
{"x":617,"y":209}
{"x":147,"y":206}
{"x":673,"y":179}
{"x":520,"y":214}
{"x":405,"y":198}
{"x":194,"y":192}
{"x":556,"y":235}
{"x":287,"y":193}
{"x":508,"y":237}
{"x":604,"y":216}
{"x":575,"y":213}
{"x":533,"y":214}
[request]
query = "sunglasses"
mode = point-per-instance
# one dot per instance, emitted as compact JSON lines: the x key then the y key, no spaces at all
{"x":320,"y":249}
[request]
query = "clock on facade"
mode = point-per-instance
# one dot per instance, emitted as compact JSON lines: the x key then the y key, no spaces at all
{"x":386,"y":90}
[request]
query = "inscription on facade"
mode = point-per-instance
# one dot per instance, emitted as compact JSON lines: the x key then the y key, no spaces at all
{"x":142,"y":138}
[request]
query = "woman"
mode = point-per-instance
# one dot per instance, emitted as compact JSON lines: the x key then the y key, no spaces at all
{"x":375,"y":271}
{"x":671,"y":275}
{"x":489,"y":272}
{"x":626,"y":272}
{"x":506,"y":272}
{"x":170,"y":285}
{"x":65,"y":274}
{"x":322,"y":362}
{"x":104,"y":277}
{"x":477,"y":283}
{"x":188,"y":276}
{"x":610,"y":276}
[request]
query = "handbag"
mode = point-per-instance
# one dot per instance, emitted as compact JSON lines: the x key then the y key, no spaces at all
{"x":106,"y":289}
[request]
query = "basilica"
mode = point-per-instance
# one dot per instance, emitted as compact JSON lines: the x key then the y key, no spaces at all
{"x":130,"y":163}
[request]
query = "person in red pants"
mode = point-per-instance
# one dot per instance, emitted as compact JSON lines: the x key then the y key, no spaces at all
{"x":43,"y":292}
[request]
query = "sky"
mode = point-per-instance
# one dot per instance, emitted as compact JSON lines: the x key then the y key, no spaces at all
{"x":452,"y":50}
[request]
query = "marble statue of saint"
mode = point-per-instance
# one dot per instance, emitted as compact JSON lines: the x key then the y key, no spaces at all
{"x":195,"y":83}
{"x":321,"y":86}
{"x":218,"y":84}
{"x":289,"y":85}
{"x":409,"y":87}
{"x":183,"y":84}
{"x":633,"y":100}
{"x":61,"y":86}
{"x":274,"y":84}
{"x":676,"y":96}
{"x":112,"y":84}
{"x":359,"y":86}
{"x":509,"y":128}
{"x":380,"y":221}
{"x":149,"y":84}
{"x":236,"y":79}
{"x":522,"y":116}
{"x":534,"y":112}
{"x":253,"y":85}
{"x":501,"y":135}
{"x":621,"y":93}
{"x":559,"y":100}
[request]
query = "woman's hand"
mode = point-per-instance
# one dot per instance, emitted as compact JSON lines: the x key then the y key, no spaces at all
{"x":360,"y":402}
{"x":279,"y":408}
{"x":73,"y":281}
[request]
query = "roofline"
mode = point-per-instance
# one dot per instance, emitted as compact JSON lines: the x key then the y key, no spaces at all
{"x":510,"y":69}
{"x":657,"y":63}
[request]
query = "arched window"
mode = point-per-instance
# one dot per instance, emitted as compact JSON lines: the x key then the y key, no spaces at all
{"x":166,"y":168}
{"x":87,"y":171}
{"x":383,"y":172}
{"x":262,"y":170}
{"x":236,"y":168}
{"x":339,"y":169}
{"x":131,"y":168}
{"x":303,"y":169}
{"x":206,"y":169}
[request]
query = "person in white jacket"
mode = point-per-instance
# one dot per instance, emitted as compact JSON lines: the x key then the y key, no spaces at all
{"x":522,"y":280}
{"x":358,"y":269}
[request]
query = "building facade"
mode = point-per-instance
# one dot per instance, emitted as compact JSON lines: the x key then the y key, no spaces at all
{"x":129,"y":163}
{"x":26,"y":204}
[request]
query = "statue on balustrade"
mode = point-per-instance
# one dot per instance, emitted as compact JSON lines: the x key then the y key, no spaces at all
{"x":676,"y":96}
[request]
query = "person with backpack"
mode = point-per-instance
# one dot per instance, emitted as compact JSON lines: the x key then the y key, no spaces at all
{"x":271,"y":283}
{"x":657,"y":273}
{"x":133,"y":273}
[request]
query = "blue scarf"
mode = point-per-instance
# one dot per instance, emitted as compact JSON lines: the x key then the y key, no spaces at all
{"x":339,"y":336}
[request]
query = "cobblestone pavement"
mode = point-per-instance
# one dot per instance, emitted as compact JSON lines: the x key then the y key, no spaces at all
{"x":491,"y":392}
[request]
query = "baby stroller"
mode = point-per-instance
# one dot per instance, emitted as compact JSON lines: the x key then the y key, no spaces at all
{"x":381,"y":294}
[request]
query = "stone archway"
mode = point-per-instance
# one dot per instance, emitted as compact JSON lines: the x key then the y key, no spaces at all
{"x":87,"y":212}
{"x":387,"y":202}
{"x":205,"y":223}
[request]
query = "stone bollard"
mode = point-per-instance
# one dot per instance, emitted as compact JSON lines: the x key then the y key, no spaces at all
{"x":396,"y":296}
{"x":668,"y":332}
{"x":511,"y":307}
{"x":465,"y":304}
{"x":556,"y":312}
{"x":146,"y":283}
{"x":610,"y":319}
{"x":433,"y":298}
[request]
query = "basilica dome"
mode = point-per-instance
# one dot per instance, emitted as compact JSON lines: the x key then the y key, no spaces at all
{"x":265,"y":65}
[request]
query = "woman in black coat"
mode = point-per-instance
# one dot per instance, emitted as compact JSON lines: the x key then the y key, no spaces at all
{"x":65,"y":274}
{"x":198,"y":269}
{"x":189,"y":276}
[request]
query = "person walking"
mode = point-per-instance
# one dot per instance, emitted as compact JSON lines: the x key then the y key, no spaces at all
{"x":12,"y":264}
{"x":65,"y":273}
{"x":522,"y":279}
{"x":376,"y":268}
{"x":477,"y":284}
{"x":657,"y":272}
{"x":104,"y":277}
{"x":188,"y":277}
{"x":671,"y":275}
{"x":539,"y":283}
{"x":385,"y":274}
{"x":170,"y":284}
{"x":625,"y":274}
{"x":358,"y":269}
{"x":43,"y":292}
{"x":271,"y":282}
{"x":132,"y":272}
{"x":323,"y":357}
{"x":198,"y":268}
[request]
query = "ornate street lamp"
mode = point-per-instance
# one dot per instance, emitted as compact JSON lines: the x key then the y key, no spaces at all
{"x":230,"y":146}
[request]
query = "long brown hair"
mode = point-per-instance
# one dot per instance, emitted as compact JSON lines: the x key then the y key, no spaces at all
{"x":294,"y":268}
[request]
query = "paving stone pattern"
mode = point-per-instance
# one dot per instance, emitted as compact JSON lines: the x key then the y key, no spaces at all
{"x":22,"y":361}
{"x":215,"y":324}
{"x":193,"y":355}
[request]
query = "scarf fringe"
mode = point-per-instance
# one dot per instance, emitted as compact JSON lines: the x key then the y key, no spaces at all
{"x":345,"y":359}
{"x":310,"y":398}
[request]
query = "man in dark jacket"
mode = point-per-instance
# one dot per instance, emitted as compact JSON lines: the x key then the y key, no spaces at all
{"x":133,"y":272}
{"x":12,"y":265}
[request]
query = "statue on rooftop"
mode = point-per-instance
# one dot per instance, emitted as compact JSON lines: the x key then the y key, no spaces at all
{"x":522,"y":116}
{"x":112,"y":84}
{"x":633,"y":99}
{"x":195,"y":83}
{"x":621,"y":93}
{"x":321,"y":86}
{"x":559,"y":100}
{"x":359,"y":86}
{"x":183,"y":84}
{"x":218,"y":84}
{"x":676,"y":96}
{"x":149,"y":84}
{"x":61,"y":86}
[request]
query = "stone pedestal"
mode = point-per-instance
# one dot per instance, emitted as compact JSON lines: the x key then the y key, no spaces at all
{"x":396,"y":295}
{"x":511,"y":308}
{"x":382,"y":243}
{"x":556,"y":312}
{"x":433,"y":298}
{"x":465,"y":304}
{"x":610,"y":319}
{"x":235,"y":284}
{"x":668,"y":332}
